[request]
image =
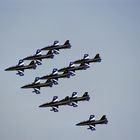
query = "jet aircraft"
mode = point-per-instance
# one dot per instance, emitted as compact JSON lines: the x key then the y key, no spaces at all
{"x":56,"y":47}
{"x":21,"y":67}
{"x":38,"y":56}
{"x":71,"y":101}
{"x":92,"y":122}
{"x":36,"y":85}
{"x":55,"y":103}
{"x":54,"y":75}
{"x":73,"y":68}
{"x":86,"y":59}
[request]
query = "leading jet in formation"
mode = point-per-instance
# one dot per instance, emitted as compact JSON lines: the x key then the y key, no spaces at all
{"x":56,"y":46}
{"x":71,"y":101}
{"x":86,"y":59}
{"x":92,"y":122}
{"x":38,"y":57}
{"x":21,"y":67}
{"x":54,"y":75}
{"x":36,"y":85}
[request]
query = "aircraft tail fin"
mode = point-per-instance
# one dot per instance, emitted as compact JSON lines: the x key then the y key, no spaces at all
{"x":38,"y":52}
{"x":55,"y":99}
{"x":85,"y":94}
{"x":74,"y":94}
{"x":104,"y":119}
{"x":66,"y":42}
{"x":92,"y":117}
{"x":97,"y":58}
{"x":21,"y":62}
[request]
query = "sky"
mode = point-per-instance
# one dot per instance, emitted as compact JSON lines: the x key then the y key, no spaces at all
{"x":108,"y":27}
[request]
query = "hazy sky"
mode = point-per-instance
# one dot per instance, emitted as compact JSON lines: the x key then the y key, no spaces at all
{"x":108,"y":27}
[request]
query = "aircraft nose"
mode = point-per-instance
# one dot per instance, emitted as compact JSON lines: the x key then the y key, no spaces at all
{"x":78,"y":124}
{"x":24,"y":86}
{"x":40,"y":106}
{"x":7,"y":69}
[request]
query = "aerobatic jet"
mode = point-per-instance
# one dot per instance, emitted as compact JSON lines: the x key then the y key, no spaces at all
{"x":92,"y":122}
{"x":73,"y":68}
{"x":56,"y":46}
{"x":38,"y":57}
{"x":86,"y":59}
{"x":71,"y":101}
{"x":54,"y":75}
{"x":54,"y":104}
{"x":74,"y":99}
{"x":21,"y":67}
{"x":36,"y":85}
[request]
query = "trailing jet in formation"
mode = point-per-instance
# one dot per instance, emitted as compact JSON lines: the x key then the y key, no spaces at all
{"x":36,"y":85}
{"x":71,"y":101}
{"x":56,"y":47}
{"x":55,"y":75}
{"x":38,"y":57}
{"x":72,"y":68}
{"x":21,"y":67}
{"x":92,"y":122}
{"x":86,"y":59}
